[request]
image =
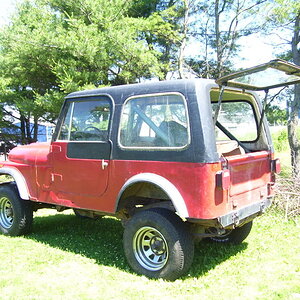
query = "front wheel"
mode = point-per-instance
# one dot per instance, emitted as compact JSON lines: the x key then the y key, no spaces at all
{"x":15,"y":214}
{"x":234,"y":236}
{"x":157,"y":244}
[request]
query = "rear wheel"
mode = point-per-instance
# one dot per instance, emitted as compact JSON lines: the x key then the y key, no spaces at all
{"x":15,"y":214}
{"x":157,"y":244}
{"x":234,"y":236}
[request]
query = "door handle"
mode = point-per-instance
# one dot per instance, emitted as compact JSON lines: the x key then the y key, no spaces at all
{"x":104,"y":164}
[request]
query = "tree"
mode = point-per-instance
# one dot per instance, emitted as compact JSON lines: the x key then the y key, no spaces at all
{"x":53,"y":47}
{"x":287,"y":14}
{"x":218,"y":28}
{"x":176,"y":13}
{"x":276,"y":115}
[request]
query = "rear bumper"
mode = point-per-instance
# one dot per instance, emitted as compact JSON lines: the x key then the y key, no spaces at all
{"x":236,"y":217}
{"x":239,"y":216}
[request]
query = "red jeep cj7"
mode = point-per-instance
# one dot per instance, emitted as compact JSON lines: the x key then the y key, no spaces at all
{"x":174,"y":160}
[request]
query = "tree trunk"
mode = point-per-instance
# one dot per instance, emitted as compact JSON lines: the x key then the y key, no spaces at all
{"x":220,"y":7}
{"x":28,"y":131}
{"x":184,"y":38}
{"x":292,"y":132}
{"x":218,"y":35}
{"x":35,"y":129}
{"x":295,"y":106}
{"x":22,"y":128}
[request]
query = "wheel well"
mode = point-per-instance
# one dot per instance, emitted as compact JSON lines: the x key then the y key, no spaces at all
{"x":11,"y":173}
{"x":141,"y":195}
{"x":10,"y":183}
{"x":4,"y":178}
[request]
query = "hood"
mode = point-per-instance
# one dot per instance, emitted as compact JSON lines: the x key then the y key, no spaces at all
{"x":36,"y":153}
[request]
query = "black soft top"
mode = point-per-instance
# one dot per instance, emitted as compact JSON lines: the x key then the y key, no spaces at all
{"x":124,"y":91}
{"x":196,"y":91}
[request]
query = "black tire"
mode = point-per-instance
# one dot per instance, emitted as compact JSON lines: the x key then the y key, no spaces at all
{"x":234,"y":236}
{"x":16,"y":215}
{"x":157,"y":244}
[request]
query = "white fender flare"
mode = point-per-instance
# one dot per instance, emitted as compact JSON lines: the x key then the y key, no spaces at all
{"x":165,"y":185}
{"x":19,"y":179}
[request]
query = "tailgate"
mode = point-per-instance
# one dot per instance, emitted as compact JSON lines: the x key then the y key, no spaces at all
{"x":249,"y":172}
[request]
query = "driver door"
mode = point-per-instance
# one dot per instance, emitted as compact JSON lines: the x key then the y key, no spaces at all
{"x":80,"y":154}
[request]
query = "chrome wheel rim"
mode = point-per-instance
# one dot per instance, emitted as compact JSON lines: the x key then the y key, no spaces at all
{"x":150,"y":248}
{"x":6,"y":213}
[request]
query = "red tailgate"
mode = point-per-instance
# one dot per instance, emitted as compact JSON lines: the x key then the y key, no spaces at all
{"x":249,"y":172}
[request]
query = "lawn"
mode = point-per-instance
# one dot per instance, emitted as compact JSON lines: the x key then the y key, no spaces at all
{"x":69,"y":258}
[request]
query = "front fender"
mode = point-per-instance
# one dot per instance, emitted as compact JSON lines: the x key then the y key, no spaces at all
{"x":162,"y":183}
{"x":19,"y":179}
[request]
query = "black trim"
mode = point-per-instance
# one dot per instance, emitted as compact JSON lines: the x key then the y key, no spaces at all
{"x":89,"y":150}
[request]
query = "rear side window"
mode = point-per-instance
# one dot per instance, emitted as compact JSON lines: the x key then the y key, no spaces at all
{"x":155,"y":121}
{"x":238,"y":118}
{"x":86,"y":120}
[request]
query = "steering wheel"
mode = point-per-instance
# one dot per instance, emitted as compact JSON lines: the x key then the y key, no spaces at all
{"x":92,"y":127}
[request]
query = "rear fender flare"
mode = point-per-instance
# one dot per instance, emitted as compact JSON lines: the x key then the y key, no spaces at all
{"x":19,"y":179}
{"x":162,"y":183}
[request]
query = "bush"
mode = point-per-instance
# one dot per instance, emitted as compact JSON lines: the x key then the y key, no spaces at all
{"x":280,"y":140}
{"x":287,"y":195}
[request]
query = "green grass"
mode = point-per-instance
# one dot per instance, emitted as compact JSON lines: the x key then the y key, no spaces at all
{"x":282,"y":149}
{"x":69,"y":258}
{"x":285,"y":162}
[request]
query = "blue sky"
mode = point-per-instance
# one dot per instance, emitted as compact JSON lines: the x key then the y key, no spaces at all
{"x":6,"y":8}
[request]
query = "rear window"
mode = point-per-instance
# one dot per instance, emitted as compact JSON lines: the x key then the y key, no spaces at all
{"x":238,"y":118}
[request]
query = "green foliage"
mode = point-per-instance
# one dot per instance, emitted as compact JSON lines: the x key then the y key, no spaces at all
{"x":284,"y":10}
{"x":280,"y":140}
{"x":53,"y":47}
{"x":276,"y":115}
{"x":282,"y":150}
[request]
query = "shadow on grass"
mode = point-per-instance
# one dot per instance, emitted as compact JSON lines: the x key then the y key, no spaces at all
{"x":101,"y":241}
{"x":210,"y":254}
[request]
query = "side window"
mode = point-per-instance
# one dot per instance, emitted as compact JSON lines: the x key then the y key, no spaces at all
{"x":86,"y":120}
{"x":238,"y":118}
{"x":156,"y":121}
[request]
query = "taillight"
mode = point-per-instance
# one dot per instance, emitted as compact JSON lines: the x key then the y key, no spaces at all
{"x":275,"y":166}
{"x":223,"y":179}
